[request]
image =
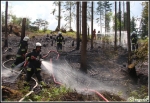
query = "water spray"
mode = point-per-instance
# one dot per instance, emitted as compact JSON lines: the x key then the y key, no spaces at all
{"x":91,"y":90}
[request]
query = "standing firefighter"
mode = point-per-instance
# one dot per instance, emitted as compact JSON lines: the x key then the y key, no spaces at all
{"x":134,"y":40}
{"x":59,"y":40}
{"x":94,"y":34}
{"x":23,"y":47}
{"x":33,"y":59}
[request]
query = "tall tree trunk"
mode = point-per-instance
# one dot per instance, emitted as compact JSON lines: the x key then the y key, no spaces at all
{"x":6,"y":35}
{"x":128,"y":32}
{"x":70,"y":16}
{"x":92,"y":26}
{"x":123,"y":17}
{"x":100,"y":24}
{"x":115,"y":27}
{"x":80,"y":19}
{"x":119,"y":23}
{"x":23,"y":29}
{"x":88,"y":33}
{"x":105,"y":20}
{"x":84,"y":38}
{"x":59,"y":11}
{"x":78,"y":36}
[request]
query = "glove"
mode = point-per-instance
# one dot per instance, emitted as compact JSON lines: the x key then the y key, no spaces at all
{"x":32,"y":57}
{"x":41,"y":59}
{"x":25,"y":64}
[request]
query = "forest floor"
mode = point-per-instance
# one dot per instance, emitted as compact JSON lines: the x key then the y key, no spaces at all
{"x":107,"y":71}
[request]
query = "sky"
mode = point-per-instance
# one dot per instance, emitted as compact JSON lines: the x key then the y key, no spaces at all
{"x":43,"y":9}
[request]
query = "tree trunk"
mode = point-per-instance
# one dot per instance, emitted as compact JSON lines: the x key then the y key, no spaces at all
{"x":6,"y":35}
{"x":128,"y":32}
{"x":100,"y":24}
{"x":123,"y":17}
{"x":105,"y":20}
{"x":120,"y":23}
{"x":80,"y":19}
{"x":70,"y":16}
{"x":92,"y":26}
{"x":59,"y":11}
{"x":84,"y":37}
{"x":23,"y":29}
{"x":115,"y":42}
{"x":78,"y":36}
{"x":88,"y":33}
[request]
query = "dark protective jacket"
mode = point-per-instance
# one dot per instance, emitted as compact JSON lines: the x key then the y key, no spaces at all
{"x":134,"y":38}
{"x":34,"y":62}
{"x":59,"y":39}
{"x":23,"y":47}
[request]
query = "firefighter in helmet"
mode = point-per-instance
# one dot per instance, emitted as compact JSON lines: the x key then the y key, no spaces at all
{"x":23,"y":47}
{"x":59,"y":40}
{"x":33,"y":60}
{"x":134,"y":40}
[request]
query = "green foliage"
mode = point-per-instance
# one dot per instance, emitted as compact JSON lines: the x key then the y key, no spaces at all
{"x":118,"y":23}
{"x":141,"y":93}
{"x":40,"y":23}
{"x":3,"y":18}
{"x":133,"y":25}
{"x":69,"y":7}
{"x":16,"y":20}
{"x":108,"y":19}
{"x":28,"y":22}
{"x":50,"y":94}
{"x":100,"y":8}
{"x":142,"y":52}
{"x":70,"y":34}
{"x":145,"y":18}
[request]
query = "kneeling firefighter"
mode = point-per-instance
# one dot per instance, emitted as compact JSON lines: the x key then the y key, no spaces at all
{"x":33,"y":60}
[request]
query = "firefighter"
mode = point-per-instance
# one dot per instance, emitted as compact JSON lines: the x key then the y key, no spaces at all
{"x":94,"y":34}
{"x":59,"y":40}
{"x":23,"y":47}
{"x":134,"y":40}
{"x":33,"y":63}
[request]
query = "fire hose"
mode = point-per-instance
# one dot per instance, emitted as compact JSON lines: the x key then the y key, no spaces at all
{"x":99,"y":94}
{"x":19,"y":74}
{"x":32,"y":90}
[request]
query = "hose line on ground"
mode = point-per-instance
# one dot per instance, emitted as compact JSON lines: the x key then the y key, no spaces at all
{"x":18,"y":74}
{"x":99,"y":94}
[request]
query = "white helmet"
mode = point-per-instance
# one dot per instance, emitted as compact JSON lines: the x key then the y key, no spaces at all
{"x":38,"y":44}
{"x":59,"y":33}
{"x":133,"y":32}
{"x":26,"y":38}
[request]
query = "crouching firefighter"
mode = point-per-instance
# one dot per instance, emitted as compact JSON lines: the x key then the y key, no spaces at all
{"x":33,"y":63}
{"x":23,"y":47}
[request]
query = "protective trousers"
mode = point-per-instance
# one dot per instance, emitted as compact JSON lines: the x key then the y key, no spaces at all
{"x":59,"y":46}
{"x":31,"y":71}
{"x":19,"y":59}
{"x":134,"y":46}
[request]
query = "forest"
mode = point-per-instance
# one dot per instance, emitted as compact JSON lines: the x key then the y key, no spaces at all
{"x":100,"y":67}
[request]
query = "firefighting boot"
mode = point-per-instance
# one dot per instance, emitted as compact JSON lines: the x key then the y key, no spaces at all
{"x":12,"y":67}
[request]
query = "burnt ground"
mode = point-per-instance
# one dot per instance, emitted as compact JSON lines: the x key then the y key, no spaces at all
{"x":106,"y":67}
